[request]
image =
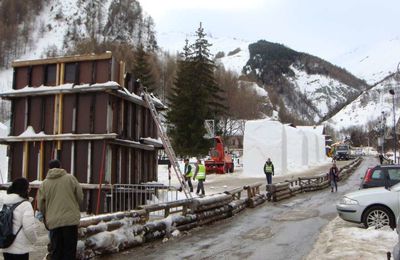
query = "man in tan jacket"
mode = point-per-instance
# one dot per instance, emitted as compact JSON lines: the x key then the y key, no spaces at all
{"x":59,"y":197}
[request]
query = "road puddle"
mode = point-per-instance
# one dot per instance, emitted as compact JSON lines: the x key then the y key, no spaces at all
{"x":296,"y":214}
{"x":258,"y":233}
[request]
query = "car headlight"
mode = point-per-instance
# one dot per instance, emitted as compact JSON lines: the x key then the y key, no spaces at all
{"x":348,"y":201}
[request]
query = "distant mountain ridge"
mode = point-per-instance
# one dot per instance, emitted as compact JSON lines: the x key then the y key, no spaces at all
{"x":301,"y":86}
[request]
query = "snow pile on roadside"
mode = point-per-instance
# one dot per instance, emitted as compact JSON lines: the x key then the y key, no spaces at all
{"x":343,"y":240}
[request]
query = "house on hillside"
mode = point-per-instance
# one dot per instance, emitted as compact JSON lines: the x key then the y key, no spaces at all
{"x":87,"y":112}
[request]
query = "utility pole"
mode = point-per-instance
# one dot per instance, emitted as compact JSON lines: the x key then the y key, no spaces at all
{"x":391,"y":91}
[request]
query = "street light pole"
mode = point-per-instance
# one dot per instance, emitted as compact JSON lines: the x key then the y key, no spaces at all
{"x":383,"y":125}
{"x":391,"y":91}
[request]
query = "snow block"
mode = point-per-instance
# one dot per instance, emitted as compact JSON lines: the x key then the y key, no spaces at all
{"x":290,"y":149}
{"x":264,"y":139}
{"x":297,"y":149}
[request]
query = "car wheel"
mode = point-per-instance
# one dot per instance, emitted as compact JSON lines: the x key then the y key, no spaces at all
{"x":378,"y":216}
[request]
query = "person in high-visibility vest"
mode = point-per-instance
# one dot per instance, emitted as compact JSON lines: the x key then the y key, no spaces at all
{"x":188,"y":174}
{"x":269,"y":170}
{"x":200,"y":175}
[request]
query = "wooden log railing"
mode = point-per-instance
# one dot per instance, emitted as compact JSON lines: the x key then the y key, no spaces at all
{"x":167,"y":207}
{"x":111,"y":233}
{"x":236,"y":193}
{"x":254,"y":197}
{"x":287,"y":189}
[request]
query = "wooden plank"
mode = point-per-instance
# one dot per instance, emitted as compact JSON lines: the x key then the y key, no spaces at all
{"x":103,"y":71}
{"x":81,"y":165}
{"x":33,"y":160}
{"x":35,"y":113}
{"x":61,"y":90}
{"x":21,"y":79}
{"x":83,"y":117}
{"x":48,"y":116}
{"x":37,"y":76}
{"x":124,"y":164}
{"x":100,"y":120}
{"x":19,"y":116}
{"x":66,"y":155}
{"x":57,"y":137}
{"x":86,"y":70}
{"x":16,"y":155}
{"x":64,"y":59}
{"x":67,"y":113}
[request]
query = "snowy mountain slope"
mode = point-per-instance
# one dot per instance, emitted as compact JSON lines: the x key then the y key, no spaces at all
{"x":50,"y":28}
{"x":372,"y":61}
{"x":324,"y":92}
{"x":303,"y":87}
{"x":368,"y":107}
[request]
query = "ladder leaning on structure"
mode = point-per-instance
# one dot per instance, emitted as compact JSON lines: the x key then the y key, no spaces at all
{"x":166,"y":142}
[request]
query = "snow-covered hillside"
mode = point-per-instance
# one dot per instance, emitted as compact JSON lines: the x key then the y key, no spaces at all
{"x":369,"y":107}
{"x":372,"y":61}
{"x":324,"y":92}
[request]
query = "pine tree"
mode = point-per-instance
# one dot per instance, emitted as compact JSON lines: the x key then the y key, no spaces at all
{"x":195,"y":98}
{"x":205,"y":67}
{"x":142,"y":69}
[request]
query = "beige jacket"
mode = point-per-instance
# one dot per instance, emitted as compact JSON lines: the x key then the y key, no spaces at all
{"x":59,"y":197}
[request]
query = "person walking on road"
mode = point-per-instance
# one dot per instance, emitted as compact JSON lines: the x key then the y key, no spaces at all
{"x":200,"y":175}
{"x":381,"y":157}
{"x":59,"y":197}
{"x":23,"y":222}
{"x":334,"y":177}
{"x":188,"y":174}
{"x":269,"y":170}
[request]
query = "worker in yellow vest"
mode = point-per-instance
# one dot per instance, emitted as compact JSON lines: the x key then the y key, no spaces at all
{"x":200,"y":175}
{"x":269,"y":170}
{"x":188,"y":174}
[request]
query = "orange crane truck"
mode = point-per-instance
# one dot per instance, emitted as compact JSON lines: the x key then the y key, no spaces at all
{"x":219,"y":162}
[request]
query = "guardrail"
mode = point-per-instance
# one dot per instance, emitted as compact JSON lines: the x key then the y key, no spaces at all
{"x":123,"y":197}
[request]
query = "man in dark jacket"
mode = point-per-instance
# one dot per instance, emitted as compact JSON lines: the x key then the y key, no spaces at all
{"x":188,"y":174}
{"x":269,"y":170}
{"x":333,"y":176}
{"x":59,"y":197}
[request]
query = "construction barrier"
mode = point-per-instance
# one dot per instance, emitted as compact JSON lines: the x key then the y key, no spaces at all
{"x":284,"y":190}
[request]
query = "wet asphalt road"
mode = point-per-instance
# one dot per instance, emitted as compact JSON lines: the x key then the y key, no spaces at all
{"x":283,"y":230}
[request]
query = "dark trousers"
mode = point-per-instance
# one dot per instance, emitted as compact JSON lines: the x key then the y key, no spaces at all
{"x":269,"y":177}
{"x":200,"y":186}
{"x":8,"y":256}
{"x":63,"y":242}
{"x":333,"y":184}
{"x":189,"y":181}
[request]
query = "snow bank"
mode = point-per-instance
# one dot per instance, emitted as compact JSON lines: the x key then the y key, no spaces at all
{"x":3,"y":156}
{"x":290,"y":149}
{"x":343,"y":240}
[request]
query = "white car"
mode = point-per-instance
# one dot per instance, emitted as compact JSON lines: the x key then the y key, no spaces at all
{"x":374,"y":207}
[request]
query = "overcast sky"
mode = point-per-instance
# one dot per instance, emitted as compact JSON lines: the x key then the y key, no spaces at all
{"x":319,"y":27}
